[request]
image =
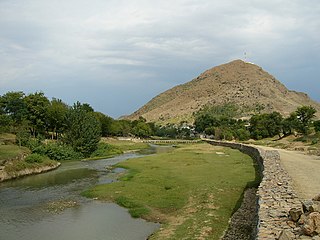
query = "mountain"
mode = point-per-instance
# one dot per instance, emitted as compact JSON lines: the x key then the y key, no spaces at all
{"x":244,"y":84}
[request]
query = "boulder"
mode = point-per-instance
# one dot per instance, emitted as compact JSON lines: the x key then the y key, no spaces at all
{"x":286,"y":235}
{"x":316,"y":198}
{"x":311,"y":226}
{"x":295,"y":214}
{"x":315,"y":207}
{"x":307,"y":205}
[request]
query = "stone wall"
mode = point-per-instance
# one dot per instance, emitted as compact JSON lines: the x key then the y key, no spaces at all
{"x":276,"y":195}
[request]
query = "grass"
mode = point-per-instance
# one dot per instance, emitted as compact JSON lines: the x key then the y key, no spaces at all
{"x":18,"y":165}
{"x":192,"y":190}
{"x":125,"y":145}
{"x":8,"y":152}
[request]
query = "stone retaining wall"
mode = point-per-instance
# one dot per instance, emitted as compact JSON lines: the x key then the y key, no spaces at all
{"x":275,"y":193}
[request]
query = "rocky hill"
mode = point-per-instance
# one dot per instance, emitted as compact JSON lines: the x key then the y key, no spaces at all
{"x":238,"y":82}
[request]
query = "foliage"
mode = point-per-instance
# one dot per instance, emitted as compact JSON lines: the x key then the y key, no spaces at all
{"x":13,"y":104}
{"x":316,"y":125}
{"x":106,"y":150}
{"x":59,"y":152}
{"x":37,"y":105}
{"x":56,"y":117}
{"x":5,"y":123}
{"x":83,"y":130}
{"x":305,"y":114}
{"x":34,"y":158}
{"x":105,"y":122}
{"x":289,"y":124}
{"x":121,"y":128}
{"x":266,"y":125}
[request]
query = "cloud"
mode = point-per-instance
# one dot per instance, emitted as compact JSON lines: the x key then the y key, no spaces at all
{"x":133,"y":44}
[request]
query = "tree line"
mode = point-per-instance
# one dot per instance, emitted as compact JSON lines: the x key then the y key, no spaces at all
{"x":77,"y":129}
{"x":34,"y":116}
{"x":221,"y":122}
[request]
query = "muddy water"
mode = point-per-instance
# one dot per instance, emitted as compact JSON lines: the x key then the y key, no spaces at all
{"x":26,"y":212}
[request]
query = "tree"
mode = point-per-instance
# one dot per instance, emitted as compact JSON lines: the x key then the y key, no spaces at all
{"x":266,"y":125}
{"x":305,"y":114}
{"x":289,"y":124}
{"x":106,"y":123}
{"x":83,"y":130}
{"x":13,"y":104}
{"x":37,"y":105}
{"x":121,"y":128}
{"x":316,"y":125}
{"x":56,"y":116}
{"x":142,"y":129}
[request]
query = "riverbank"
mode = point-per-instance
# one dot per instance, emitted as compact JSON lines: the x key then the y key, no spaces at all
{"x":193,"y":190}
{"x":19,"y":168}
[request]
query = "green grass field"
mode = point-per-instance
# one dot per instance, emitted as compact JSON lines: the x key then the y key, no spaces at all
{"x":125,"y":145}
{"x":193,"y":190}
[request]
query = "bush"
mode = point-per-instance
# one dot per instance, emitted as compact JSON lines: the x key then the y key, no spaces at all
{"x":55,"y":151}
{"x":106,"y":150}
{"x":242,"y":134}
{"x":35,"y":158}
{"x":60,"y":152}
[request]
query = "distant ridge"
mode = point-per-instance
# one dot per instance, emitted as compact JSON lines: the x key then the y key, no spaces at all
{"x":242,"y":83}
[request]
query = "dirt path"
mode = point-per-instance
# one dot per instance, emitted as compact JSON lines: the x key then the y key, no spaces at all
{"x":304,"y":171}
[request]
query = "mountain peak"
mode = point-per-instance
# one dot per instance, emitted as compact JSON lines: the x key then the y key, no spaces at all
{"x":242,"y":83}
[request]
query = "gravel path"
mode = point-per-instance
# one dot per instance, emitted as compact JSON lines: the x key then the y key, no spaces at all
{"x":304,"y":171}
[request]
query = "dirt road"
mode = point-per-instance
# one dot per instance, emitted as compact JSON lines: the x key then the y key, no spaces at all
{"x":304,"y":171}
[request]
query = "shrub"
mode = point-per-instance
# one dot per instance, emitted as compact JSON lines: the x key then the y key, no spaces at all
{"x":105,"y":150}
{"x":55,"y":151}
{"x":35,"y":158}
{"x":242,"y":134}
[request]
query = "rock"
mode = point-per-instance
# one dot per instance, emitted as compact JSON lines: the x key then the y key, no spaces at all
{"x":286,"y":235}
{"x":306,"y":205}
{"x":291,"y":224}
{"x":315,"y":207}
{"x":316,"y":198}
{"x":305,"y":238}
{"x":302,"y":219}
{"x":312,"y":224}
{"x":295,"y":214}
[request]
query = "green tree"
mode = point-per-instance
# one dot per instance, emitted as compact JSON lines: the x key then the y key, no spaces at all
{"x":142,"y":129}
{"x":83,"y":130}
{"x":106,"y":123}
{"x":121,"y":128}
{"x":266,"y":125}
{"x":305,"y":114}
{"x":289,"y":124}
{"x":37,"y":105}
{"x":56,"y":117}
{"x":316,"y":125}
{"x":13,"y":104}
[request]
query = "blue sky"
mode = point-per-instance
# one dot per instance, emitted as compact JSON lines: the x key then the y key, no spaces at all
{"x":118,"y":54}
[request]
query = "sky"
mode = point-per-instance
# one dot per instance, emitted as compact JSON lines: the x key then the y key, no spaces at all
{"x":116,"y":55}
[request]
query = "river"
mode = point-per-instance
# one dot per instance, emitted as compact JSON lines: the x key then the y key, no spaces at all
{"x":29,"y":207}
